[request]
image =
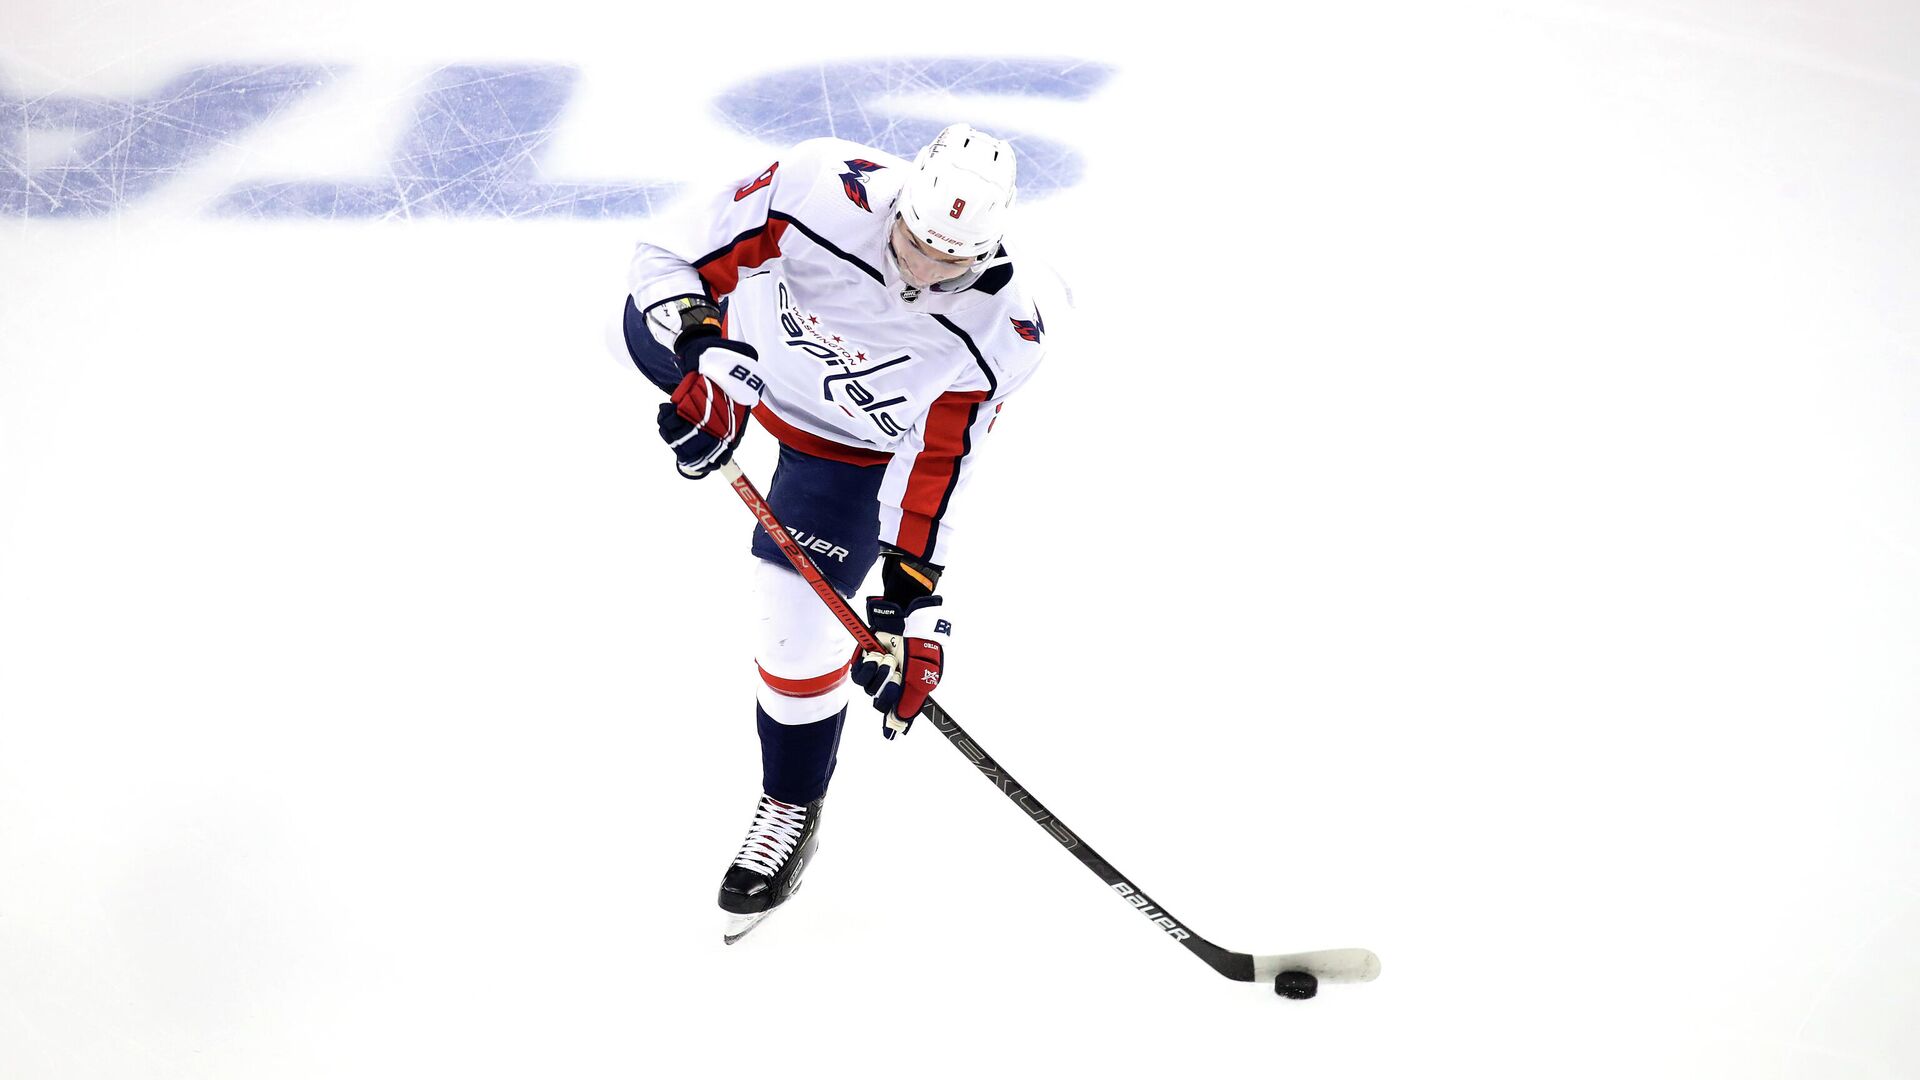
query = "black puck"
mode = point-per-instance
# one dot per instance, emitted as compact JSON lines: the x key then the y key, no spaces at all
{"x":1296,"y":985}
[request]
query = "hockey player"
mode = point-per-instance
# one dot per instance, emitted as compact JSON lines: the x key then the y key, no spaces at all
{"x":867,"y":312}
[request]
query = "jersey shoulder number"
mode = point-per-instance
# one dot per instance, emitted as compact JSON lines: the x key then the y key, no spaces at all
{"x":757,"y":183}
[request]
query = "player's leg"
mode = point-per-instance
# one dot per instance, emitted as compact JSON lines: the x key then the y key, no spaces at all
{"x":800,"y":708}
{"x":803,"y":654}
{"x":832,"y":508}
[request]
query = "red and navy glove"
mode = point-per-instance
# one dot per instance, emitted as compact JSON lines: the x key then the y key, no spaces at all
{"x":707,"y":415}
{"x":908,"y":672}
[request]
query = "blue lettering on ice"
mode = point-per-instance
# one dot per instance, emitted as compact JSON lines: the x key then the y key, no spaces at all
{"x":75,"y":157}
{"x":477,"y":134}
{"x":895,"y":105}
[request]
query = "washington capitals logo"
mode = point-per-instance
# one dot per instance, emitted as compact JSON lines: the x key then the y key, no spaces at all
{"x":856,"y":181}
{"x":1030,"y":329}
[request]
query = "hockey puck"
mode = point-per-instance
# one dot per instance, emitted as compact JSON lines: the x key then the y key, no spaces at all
{"x":1296,"y":985}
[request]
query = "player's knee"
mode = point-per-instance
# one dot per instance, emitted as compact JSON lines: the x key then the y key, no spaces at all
{"x":798,"y":636}
{"x":803,"y":652}
{"x":803,"y":701}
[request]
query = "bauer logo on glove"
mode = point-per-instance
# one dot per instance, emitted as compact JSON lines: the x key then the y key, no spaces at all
{"x":754,"y":382}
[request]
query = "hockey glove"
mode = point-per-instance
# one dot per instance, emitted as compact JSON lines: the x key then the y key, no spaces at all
{"x":707,"y":415}
{"x":901,"y":679}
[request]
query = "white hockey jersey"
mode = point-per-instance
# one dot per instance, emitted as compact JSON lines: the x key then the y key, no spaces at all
{"x":853,"y":372}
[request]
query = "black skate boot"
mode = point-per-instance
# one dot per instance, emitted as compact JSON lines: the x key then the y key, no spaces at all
{"x":779,"y":845}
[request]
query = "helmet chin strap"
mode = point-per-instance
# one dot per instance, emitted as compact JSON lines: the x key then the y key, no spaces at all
{"x":972,"y":276}
{"x":991,"y":262}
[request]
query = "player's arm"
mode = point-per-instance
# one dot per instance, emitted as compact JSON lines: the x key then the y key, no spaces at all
{"x":699,"y":249}
{"x":681,"y":268}
{"x":706,"y":416}
{"x":924,"y":481}
{"x":917,"y":497}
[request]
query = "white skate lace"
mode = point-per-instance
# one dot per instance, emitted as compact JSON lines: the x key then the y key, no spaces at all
{"x":774,"y":834}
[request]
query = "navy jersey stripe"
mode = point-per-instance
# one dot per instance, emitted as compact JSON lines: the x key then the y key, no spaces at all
{"x":827,"y":244}
{"x":993,"y":384}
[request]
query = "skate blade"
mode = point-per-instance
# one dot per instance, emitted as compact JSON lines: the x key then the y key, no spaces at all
{"x":739,"y":925}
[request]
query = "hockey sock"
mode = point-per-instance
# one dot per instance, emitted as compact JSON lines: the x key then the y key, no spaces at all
{"x":797,"y":760}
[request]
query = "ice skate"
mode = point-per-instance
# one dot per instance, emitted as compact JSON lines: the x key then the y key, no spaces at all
{"x":767,"y":870}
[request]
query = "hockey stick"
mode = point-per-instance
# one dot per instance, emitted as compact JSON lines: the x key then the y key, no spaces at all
{"x":1293,"y":975}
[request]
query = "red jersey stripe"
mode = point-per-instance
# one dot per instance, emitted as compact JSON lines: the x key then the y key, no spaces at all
{"x":721,"y":270}
{"x":937,"y":469}
{"x":808,"y":443}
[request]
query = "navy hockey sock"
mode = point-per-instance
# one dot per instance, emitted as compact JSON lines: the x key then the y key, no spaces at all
{"x":796,"y":760}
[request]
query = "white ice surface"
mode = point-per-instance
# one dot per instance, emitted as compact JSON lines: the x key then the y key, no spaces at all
{"x":1490,"y":454}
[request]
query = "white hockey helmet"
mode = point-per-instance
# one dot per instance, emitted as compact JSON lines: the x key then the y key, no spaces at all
{"x":954,"y":204}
